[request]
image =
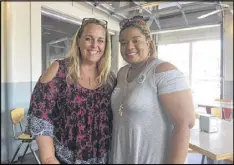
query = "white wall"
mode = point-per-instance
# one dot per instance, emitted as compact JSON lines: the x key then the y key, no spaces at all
{"x":3,"y":43}
{"x":18,"y":42}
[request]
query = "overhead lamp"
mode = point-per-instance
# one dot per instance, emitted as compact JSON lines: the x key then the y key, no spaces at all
{"x":208,"y":14}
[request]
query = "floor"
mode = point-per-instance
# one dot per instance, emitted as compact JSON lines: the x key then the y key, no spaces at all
{"x":28,"y":159}
{"x":193,"y":158}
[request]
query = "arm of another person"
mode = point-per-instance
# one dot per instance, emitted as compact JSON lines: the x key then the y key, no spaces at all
{"x":45,"y":143}
{"x":178,"y":105}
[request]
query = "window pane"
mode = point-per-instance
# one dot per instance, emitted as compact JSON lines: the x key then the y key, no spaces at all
{"x":177,"y":54}
{"x":206,"y":70}
{"x":206,"y":60}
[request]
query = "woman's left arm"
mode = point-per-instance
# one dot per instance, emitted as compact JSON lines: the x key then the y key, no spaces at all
{"x":178,"y":105}
{"x":179,"y":108}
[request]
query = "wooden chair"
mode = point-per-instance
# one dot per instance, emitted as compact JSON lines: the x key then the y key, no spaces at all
{"x":227,"y":113}
{"x":17,"y":116}
{"x":217,"y":112}
{"x":223,"y":100}
{"x":197,"y":115}
{"x":230,"y":160}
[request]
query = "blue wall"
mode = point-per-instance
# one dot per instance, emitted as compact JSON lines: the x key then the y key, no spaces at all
{"x":13,"y":95}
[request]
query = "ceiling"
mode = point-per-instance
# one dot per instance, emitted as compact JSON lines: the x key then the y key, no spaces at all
{"x":122,"y":10}
{"x":155,"y":13}
{"x":160,"y":15}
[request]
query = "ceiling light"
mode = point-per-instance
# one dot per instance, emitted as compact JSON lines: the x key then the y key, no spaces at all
{"x":208,"y":14}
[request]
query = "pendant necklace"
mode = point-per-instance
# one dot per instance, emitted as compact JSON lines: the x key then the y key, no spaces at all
{"x":121,"y":105}
{"x":140,"y":79}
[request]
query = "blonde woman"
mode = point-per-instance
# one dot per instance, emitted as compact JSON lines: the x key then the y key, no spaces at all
{"x":152,"y":103}
{"x":70,"y":113}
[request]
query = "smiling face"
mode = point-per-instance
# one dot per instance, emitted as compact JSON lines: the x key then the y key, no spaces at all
{"x":134,"y":46}
{"x":92,"y":43}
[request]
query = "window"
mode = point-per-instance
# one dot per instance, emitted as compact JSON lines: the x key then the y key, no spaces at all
{"x":177,"y":54}
{"x":57,"y":36}
{"x":200,"y":62}
{"x":206,"y":70}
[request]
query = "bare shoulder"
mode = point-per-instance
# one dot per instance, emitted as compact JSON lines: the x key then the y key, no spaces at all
{"x":50,"y":72}
{"x":122,"y":69}
{"x":163,"y":67}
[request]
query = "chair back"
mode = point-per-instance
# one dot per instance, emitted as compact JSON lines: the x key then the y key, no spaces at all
{"x":227,"y":112}
{"x":217,"y":112}
{"x":197,"y":115}
{"x":223,"y":100}
{"x":17,"y":115}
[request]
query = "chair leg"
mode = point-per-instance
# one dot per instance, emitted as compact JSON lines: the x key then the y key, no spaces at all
{"x":211,"y":161}
{"x":16,"y":152}
{"x":208,"y":110}
{"x":203,"y":159}
{"x":35,"y":155}
{"x":25,"y":152}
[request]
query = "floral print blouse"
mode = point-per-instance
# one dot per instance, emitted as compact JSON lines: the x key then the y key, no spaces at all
{"x":78,"y":119}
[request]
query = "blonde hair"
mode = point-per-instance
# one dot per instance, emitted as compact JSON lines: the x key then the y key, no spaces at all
{"x":74,"y":57}
{"x":143,"y":27}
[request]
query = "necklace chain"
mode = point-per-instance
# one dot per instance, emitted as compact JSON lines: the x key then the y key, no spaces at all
{"x":121,"y":107}
{"x":89,"y":80}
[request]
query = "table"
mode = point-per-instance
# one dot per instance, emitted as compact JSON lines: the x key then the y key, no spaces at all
{"x":216,"y":104}
{"x":216,"y":146}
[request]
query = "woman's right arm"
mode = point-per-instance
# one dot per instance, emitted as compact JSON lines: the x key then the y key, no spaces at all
{"x":40,"y":96}
{"x":46,"y":149}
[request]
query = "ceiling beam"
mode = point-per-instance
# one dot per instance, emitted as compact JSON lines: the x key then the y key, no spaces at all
{"x":127,"y":8}
{"x":98,"y":3}
{"x":116,"y":4}
{"x":192,"y":7}
{"x":103,"y":10}
{"x":148,"y":11}
{"x":180,"y":7}
{"x":152,"y":4}
{"x":177,"y":22}
{"x":111,"y":10}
